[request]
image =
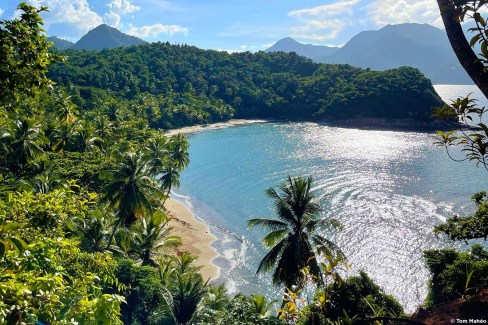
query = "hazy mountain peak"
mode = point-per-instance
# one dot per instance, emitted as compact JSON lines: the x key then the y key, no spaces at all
{"x":418,"y":45}
{"x":289,"y":44}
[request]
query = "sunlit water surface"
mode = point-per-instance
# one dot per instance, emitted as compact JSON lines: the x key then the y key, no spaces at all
{"x":387,"y":188}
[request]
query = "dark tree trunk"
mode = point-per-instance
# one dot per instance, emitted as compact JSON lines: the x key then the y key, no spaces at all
{"x":461,"y":47}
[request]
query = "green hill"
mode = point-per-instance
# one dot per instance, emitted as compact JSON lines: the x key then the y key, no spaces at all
{"x":59,"y":43}
{"x":187,"y":85}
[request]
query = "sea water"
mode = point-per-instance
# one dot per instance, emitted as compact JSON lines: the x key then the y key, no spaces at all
{"x":388,"y":189}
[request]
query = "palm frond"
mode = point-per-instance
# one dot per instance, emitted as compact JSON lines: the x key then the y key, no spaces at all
{"x":270,"y":224}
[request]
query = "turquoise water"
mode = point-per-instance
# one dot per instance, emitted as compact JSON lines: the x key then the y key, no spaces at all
{"x":387,"y":188}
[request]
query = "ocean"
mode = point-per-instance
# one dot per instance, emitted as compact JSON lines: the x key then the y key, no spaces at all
{"x":387,"y":188}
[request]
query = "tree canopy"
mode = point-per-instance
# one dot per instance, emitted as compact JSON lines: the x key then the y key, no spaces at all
{"x":176,"y":85}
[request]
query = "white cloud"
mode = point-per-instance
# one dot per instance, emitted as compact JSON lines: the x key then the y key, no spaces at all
{"x":75,"y":12}
{"x":113,"y":19}
{"x":384,"y":12}
{"x":155,"y":30}
{"x":117,"y":9}
{"x":123,"y":6}
{"x":1,"y":12}
{"x":323,"y":22}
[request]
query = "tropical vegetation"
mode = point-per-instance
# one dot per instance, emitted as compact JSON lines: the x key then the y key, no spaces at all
{"x":294,"y":240}
{"x":84,"y":174}
{"x":177,"y":85}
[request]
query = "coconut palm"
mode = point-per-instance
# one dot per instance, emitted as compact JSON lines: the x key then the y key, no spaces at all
{"x":25,"y":140}
{"x":156,"y":150}
{"x":86,"y":142}
{"x":261,"y":306}
{"x":65,"y":110}
{"x":169,"y":176}
{"x":178,"y":151}
{"x":94,"y":230}
{"x":217,"y":297}
{"x":43,"y":183}
{"x":293,"y":239}
{"x":104,"y":129}
{"x":185,"y":296}
{"x":153,"y":237}
{"x":63,"y":135}
{"x":130,"y":190}
{"x":185,"y":264}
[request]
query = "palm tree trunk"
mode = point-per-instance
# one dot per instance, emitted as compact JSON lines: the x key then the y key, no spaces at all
{"x":113,"y":233}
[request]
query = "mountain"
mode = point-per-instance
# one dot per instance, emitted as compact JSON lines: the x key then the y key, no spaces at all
{"x":59,"y":43}
{"x":288,"y":45}
{"x":105,"y":37}
{"x":417,"y":45}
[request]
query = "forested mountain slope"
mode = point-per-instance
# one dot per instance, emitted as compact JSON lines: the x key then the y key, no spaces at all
{"x":186,"y":85}
{"x":105,"y":37}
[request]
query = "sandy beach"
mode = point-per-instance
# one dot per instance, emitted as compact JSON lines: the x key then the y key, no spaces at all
{"x":196,"y":237}
{"x":214,"y":126}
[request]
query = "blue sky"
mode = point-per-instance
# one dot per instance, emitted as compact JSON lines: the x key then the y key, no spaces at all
{"x":230,"y":25}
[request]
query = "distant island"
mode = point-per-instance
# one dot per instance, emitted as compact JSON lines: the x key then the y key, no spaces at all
{"x":182,"y":85}
{"x":417,"y":45}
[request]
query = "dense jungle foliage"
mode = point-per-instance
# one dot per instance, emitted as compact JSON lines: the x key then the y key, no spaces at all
{"x":179,"y":85}
{"x":85,"y":237}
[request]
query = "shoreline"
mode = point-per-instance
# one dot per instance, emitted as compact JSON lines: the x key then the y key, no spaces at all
{"x":217,"y":125}
{"x":362,"y":123}
{"x":195,"y":236}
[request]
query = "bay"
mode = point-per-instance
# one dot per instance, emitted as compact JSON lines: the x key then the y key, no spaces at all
{"x":387,"y":188}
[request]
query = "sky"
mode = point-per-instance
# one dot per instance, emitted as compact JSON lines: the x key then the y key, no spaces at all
{"x":230,"y":25}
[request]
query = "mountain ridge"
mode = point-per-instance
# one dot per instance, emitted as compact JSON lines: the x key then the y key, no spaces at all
{"x":307,"y":50}
{"x":418,"y":45}
{"x":59,"y":43}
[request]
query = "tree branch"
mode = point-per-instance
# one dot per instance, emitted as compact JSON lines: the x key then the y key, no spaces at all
{"x":461,"y":47}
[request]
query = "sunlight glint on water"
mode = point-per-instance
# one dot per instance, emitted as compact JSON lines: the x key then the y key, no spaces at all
{"x":387,"y":188}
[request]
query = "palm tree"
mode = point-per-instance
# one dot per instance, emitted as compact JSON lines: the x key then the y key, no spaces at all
{"x":25,"y":139}
{"x":185,"y":264}
{"x":293,"y":241}
{"x":157,"y":152}
{"x":170,"y":176}
{"x":104,"y":129}
{"x":216,"y":297}
{"x":65,"y":110}
{"x":153,"y":237}
{"x":63,"y":135}
{"x":130,"y":191}
{"x":94,"y":230}
{"x":184,"y":298}
{"x":178,"y":151}
{"x":43,"y":183}
{"x":86,"y":142}
{"x":262,"y":307}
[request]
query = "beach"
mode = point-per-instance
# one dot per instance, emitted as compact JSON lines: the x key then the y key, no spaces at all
{"x":214,"y":126}
{"x":196,"y":237}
